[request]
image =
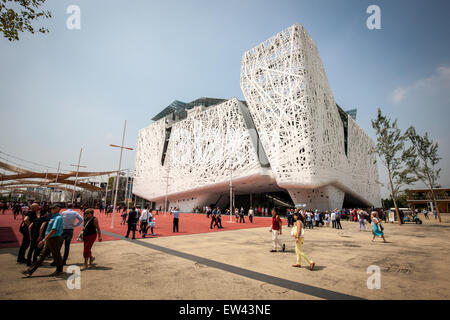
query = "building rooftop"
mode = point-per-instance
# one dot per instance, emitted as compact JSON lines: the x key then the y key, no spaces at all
{"x":179,"y":106}
{"x":173,"y":107}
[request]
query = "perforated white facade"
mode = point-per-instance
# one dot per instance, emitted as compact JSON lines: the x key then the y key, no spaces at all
{"x":292,"y":136}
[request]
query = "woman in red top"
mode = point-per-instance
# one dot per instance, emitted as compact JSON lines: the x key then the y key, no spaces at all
{"x":276,"y":230}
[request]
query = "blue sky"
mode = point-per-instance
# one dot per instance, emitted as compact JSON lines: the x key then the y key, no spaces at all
{"x":74,"y":88}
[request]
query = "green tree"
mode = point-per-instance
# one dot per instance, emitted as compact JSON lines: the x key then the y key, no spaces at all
{"x":390,"y":148}
{"x":424,"y":165}
{"x":18,"y":15}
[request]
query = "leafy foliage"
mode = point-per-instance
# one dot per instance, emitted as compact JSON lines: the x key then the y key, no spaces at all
{"x":18,"y":15}
{"x":424,"y":165}
{"x":390,"y":148}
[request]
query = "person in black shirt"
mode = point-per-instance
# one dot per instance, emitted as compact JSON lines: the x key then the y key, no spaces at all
{"x":241,"y":215}
{"x":36,"y":236}
{"x":213,"y":219}
{"x":24,"y":229}
{"x":16,"y":210}
{"x":132,"y":220}
{"x":219,"y":218}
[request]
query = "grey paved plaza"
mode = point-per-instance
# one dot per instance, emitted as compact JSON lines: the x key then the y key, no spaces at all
{"x":238,"y":265}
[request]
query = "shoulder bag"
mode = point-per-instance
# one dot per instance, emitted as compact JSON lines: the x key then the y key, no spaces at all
{"x":81,"y":235}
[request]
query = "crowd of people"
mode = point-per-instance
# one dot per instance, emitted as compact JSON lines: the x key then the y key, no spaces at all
{"x":47,"y":227}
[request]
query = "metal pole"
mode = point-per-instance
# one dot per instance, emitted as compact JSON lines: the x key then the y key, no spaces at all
{"x":56,"y":180}
{"x":42,"y":194}
{"x":167,"y":190}
{"x":126,"y":188}
{"x":231,"y":193}
{"x":128,"y":202}
{"x":106,"y":189}
{"x":118,"y":173}
{"x":76,"y":176}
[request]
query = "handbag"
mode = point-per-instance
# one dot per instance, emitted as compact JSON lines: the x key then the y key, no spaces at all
{"x":81,"y":235}
{"x":381,"y":227}
{"x":294,"y":231}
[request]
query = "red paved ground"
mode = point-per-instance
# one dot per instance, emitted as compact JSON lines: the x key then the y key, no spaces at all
{"x":10,"y":237}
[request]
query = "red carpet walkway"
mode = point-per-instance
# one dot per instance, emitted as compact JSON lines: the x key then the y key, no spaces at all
{"x":189,"y":223}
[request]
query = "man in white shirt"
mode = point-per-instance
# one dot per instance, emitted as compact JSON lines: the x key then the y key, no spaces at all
{"x":144,"y":220}
{"x":69,"y":216}
{"x":251,"y":213}
{"x":333,"y":219}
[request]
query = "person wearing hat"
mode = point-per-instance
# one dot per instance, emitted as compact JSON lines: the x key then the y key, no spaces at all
{"x":51,"y":243}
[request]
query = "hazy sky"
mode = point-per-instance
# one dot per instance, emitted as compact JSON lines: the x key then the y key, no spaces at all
{"x":74,"y":88}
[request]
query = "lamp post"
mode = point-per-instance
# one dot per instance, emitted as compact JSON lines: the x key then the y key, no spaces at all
{"x":118,"y":170}
{"x":167,"y":190}
{"x":126,"y":185}
{"x":76,"y":176}
{"x":42,"y":194}
{"x":56,"y":180}
{"x":231,"y":193}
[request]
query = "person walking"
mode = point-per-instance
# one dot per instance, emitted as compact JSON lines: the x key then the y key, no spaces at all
{"x":124,"y":217}
{"x":309,"y":218}
{"x":288,"y":217}
{"x":377,"y":227}
{"x":298,"y":233}
{"x":327,"y":219}
{"x":338,"y":219}
{"x":236,"y":214}
{"x":132,"y":220}
{"x":152,"y":221}
{"x":425,"y":213}
{"x":24,"y":229}
{"x":90,"y":232}
{"x":16,"y":210}
{"x":219,"y":218}
{"x":276,"y":230}
{"x":69,"y":217}
{"x":176,"y":219}
{"x":51,"y":243}
{"x":362,"y":219}
{"x":251,"y":213}
{"x":213,"y":219}
{"x":241,"y":215}
{"x":144,"y":221}
{"x":317,"y":217}
{"x":36,"y":235}
{"x":333,"y":219}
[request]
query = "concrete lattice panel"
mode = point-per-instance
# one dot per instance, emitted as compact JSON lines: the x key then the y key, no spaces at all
{"x":201,"y":149}
{"x":301,"y":131}
{"x":290,"y":99}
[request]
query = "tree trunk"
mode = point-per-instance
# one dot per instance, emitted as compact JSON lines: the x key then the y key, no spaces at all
{"x":394,"y":198}
{"x":435,"y":204}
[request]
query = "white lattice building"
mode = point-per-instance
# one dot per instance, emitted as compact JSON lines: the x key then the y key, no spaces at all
{"x":289,"y":135}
